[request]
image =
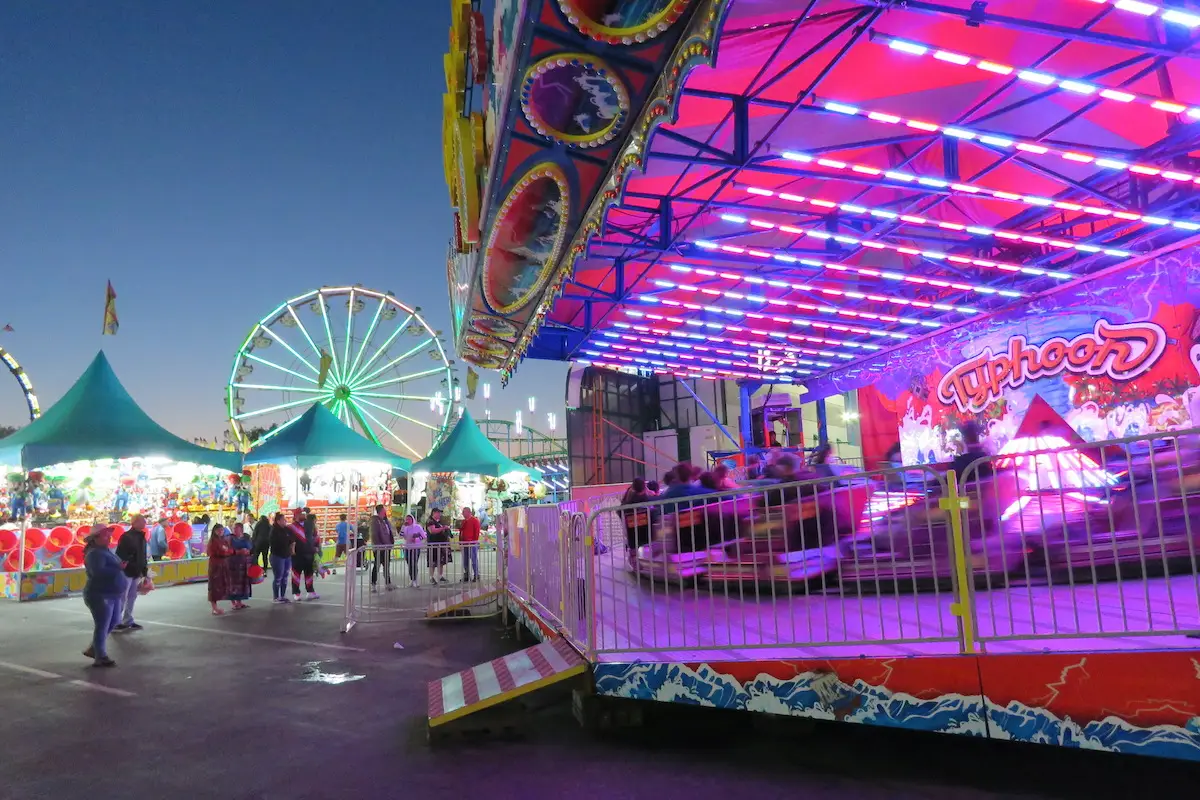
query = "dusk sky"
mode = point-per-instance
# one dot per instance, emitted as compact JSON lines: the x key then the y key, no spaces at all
{"x":213,"y":159}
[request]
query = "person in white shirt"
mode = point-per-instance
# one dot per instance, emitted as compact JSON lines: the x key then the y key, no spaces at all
{"x":414,"y":536}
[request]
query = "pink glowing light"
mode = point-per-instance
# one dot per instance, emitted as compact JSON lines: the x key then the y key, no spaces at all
{"x":715,"y":326}
{"x":1039,"y":77}
{"x":1027,"y":199}
{"x":883,"y":213}
{"x":1003,"y":142}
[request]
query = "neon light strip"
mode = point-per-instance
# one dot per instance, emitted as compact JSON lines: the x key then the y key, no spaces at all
{"x":972,"y":189}
{"x":1006,"y":142}
{"x":912,"y":219}
{"x":717,"y":326}
{"x":737,"y":312}
{"x":935,"y":255}
{"x":628,"y":331}
{"x":804,"y":287}
{"x":675,"y":365}
{"x":870,"y":273}
{"x":1149,"y":10}
{"x":1036,"y":76}
{"x":700,"y":348}
{"x":705,"y":337}
{"x":771,"y":301}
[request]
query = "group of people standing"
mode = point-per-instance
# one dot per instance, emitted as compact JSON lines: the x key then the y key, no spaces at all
{"x":433,"y":537}
{"x":291,"y":549}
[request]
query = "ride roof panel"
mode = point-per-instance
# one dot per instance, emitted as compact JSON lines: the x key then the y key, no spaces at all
{"x":838,"y":178}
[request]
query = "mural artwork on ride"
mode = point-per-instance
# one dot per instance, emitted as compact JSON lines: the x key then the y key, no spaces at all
{"x":1117,"y":356}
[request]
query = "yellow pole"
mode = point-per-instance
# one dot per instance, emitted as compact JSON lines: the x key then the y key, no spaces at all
{"x":963,"y":606}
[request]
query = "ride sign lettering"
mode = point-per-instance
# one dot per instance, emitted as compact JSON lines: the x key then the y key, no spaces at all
{"x":1120,"y":351}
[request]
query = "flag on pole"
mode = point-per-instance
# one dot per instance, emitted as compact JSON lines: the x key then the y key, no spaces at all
{"x":111,"y":323}
{"x":326,"y":363}
{"x":472,"y":383}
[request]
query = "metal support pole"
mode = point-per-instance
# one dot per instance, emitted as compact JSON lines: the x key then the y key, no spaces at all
{"x":707,"y":412}
{"x":822,"y":423}
{"x":745,"y":425}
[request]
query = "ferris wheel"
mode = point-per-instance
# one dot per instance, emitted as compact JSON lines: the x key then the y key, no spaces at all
{"x":367,"y":357}
{"x":22,"y":378}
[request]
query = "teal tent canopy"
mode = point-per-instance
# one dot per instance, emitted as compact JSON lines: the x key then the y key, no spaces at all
{"x":466,"y":449}
{"x":318,"y":437}
{"x":98,"y":419}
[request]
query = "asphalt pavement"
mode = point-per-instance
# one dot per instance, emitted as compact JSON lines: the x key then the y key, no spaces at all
{"x":274,"y":702}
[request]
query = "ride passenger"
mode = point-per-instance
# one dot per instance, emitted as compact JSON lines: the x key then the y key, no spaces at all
{"x":972,"y":451}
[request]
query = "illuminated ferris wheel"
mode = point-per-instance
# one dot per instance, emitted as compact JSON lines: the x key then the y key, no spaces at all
{"x":22,"y":378}
{"x":367,"y":357}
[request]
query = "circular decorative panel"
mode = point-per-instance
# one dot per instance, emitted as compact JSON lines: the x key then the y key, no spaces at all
{"x":482,"y":360}
{"x":622,"y":21}
{"x":485,"y":345}
{"x":574,"y":99}
{"x":525,"y":239}
{"x":493,"y":326}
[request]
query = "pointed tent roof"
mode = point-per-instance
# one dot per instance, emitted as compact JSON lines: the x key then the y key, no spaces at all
{"x":97,"y":419}
{"x":466,"y":449}
{"x":318,"y":437}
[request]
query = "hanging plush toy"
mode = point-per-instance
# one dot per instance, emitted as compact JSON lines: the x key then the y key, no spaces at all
{"x":57,"y":497}
{"x":18,"y":505}
{"x":241,"y":492}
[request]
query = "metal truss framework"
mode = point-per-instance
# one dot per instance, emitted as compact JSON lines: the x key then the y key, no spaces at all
{"x":731,"y":169}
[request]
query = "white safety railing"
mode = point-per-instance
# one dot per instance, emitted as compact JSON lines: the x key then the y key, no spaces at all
{"x":391,"y":583}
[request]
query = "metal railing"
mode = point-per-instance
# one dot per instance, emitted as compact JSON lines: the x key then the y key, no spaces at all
{"x":392,"y":582}
{"x":1093,"y":546}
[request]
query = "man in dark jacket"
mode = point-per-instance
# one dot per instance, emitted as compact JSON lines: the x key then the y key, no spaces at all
{"x":261,"y":542}
{"x":131,"y":548}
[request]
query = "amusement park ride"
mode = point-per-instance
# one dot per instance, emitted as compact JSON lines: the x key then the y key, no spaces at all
{"x":953,"y":212}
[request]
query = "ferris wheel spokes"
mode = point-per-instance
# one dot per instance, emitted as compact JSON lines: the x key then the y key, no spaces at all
{"x":419,"y":397}
{"x":370,"y":332}
{"x":337,"y":371}
{"x":288,"y":347}
{"x":388,"y":430}
{"x":411,"y":377}
{"x":262,"y":360}
{"x":397,"y":414}
{"x":356,"y":380}
{"x":387,"y":343}
{"x":271,"y":387}
{"x":306,"y":401}
{"x":349,"y":328}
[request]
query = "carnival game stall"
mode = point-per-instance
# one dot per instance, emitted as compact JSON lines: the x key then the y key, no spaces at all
{"x":468,"y":470}
{"x":96,"y":456}
{"x":327,"y":467}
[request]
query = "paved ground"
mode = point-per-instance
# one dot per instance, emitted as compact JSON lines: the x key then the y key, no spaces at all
{"x":228,"y":708}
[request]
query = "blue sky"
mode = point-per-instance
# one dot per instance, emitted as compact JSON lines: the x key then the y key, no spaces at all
{"x":213,"y":159}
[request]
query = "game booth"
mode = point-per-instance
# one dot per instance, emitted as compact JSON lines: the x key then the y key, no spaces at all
{"x":326,"y":466}
{"x":96,"y":456}
{"x":468,"y":470}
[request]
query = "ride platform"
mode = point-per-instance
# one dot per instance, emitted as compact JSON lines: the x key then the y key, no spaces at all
{"x":503,"y":680}
{"x":469,"y":598}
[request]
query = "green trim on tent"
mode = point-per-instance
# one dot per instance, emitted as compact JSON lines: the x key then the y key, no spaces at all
{"x":318,"y":437}
{"x":466,"y":449}
{"x":97,"y":419}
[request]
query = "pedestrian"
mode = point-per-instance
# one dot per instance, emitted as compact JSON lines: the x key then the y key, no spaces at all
{"x":383,"y":539}
{"x":131,"y":549}
{"x":102,"y":592}
{"x":304,"y":555}
{"x":282,"y":546}
{"x":343,"y":537}
{"x":158,"y":540}
{"x":468,"y":539}
{"x":261,"y":542}
{"x":219,"y":552}
{"x":239,"y":566}
{"x":439,"y":546}
{"x":413,"y":535}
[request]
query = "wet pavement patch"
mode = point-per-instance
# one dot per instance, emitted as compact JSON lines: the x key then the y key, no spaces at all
{"x":320,"y":672}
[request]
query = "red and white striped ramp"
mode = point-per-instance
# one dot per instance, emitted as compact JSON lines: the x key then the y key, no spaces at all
{"x":516,"y":674}
{"x":465,"y":599}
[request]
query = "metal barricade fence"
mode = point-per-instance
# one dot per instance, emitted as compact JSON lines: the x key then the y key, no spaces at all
{"x":1089,"y":542}
{"x":827,"y":562}
{"x":392,"y":583}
